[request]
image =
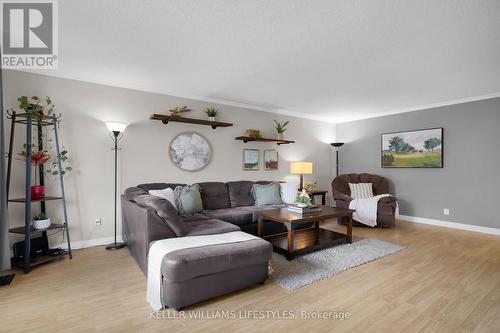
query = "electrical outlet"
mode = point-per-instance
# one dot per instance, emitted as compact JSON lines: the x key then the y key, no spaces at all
{"x":98,"y":221}
{"x":446,"y":211}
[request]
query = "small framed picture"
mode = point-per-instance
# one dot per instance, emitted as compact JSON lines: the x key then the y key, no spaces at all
{"x":251,"y":160}
{"x":270,"y":160}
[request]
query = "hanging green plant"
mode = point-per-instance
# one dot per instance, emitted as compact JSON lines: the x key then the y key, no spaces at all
{"x":65,"y":168}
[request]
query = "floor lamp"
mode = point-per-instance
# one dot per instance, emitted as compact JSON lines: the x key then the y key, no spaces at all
{"x":337,"y":146}
{"x":116,"y":128}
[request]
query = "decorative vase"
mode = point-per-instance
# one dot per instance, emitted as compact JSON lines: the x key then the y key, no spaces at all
{"x":41,"y":224}
{"x":279,"y":136}
{"x":211,"y":118}
{"x":37,"y":191}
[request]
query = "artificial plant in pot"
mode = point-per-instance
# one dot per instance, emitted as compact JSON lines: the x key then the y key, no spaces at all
{"x":41,"y":221}
{"x":211,"y":113}
{"x":38,"y":158}
{"x":280,"y":129}
{"x":303,"y":199}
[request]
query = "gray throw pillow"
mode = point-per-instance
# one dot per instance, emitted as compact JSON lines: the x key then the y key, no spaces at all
{"x":188,"y":199}
{"x":166,"y":211}
{"x":268,"y":194}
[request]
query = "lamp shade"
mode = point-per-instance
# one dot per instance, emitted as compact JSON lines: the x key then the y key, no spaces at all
{"x":301,"y":168}
{"x":116,"y":126}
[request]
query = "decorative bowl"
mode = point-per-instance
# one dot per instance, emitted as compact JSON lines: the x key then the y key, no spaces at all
{"x":41,"y":224}
{"x":302,"y":205}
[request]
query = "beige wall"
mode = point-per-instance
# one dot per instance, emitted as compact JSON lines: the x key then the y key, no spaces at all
{"x":144,"y":157}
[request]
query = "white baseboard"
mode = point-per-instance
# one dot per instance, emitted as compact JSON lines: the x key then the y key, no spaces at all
{"x":90,"y":243}
{"x":452,"y":225}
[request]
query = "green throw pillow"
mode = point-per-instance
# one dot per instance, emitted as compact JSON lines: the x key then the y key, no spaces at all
{"x":188,"y":199}
{"x":269,"y":194}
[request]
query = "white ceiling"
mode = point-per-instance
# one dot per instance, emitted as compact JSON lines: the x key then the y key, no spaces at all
{"x":330,"y":60}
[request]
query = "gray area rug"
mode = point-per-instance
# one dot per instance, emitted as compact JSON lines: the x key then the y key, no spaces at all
{"x":316,"y":266}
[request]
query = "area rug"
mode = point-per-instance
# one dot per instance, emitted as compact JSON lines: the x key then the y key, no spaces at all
{"x":316,"y":266}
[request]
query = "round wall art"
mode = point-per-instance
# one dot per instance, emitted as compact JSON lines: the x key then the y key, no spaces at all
{"x":190,"y":151}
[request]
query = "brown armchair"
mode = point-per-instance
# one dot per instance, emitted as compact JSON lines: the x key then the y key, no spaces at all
{"x":386,"y":206}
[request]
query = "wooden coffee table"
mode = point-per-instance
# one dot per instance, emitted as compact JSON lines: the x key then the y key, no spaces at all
{"x":295,"y":242}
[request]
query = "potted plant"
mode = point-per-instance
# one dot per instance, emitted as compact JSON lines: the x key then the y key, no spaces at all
{"x":211,"y":113}
{"x":37,"y":158}
{"x":41,"y":221}
{"x":280,"y":129}
{"x":303,"y":199}
{"x":37,"y":107}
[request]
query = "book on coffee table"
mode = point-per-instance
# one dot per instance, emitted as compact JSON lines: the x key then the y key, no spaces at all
{"x":304,"y":210}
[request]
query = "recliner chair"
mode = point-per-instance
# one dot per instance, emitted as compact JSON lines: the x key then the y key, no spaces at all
{"x":386,"y":206}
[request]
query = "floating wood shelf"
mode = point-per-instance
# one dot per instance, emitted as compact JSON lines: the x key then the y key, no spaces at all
{"x":53,"y":226}
{"x":165,"y":119}
{"x":246,"y":139}
{"x":36,"y":199}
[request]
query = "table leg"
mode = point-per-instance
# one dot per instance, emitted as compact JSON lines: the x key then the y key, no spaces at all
{"x":260,"y":227}
{"x":323,"y":199}
{"x":289,"y":254}
{"x":316,"y":232}
{"x":349,"y":229}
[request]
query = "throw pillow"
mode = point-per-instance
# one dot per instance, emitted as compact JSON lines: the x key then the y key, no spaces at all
{"x":166,"y":193}
{"x":166,"y":211}
{"x":268,"y":194}
{"x":188,"y":199}
{"x":361,"y":190}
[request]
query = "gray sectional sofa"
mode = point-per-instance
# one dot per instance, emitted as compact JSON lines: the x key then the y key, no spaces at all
{"x":186,"y":273}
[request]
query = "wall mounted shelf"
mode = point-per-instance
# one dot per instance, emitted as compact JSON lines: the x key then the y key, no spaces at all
{"x":177,"y":119}
{"x":246,"y":139}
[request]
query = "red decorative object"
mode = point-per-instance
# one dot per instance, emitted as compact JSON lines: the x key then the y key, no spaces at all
{"x":39,"y":157}
{"x":37,"y":192}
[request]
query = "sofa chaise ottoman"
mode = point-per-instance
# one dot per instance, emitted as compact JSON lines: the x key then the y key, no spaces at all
{"x":196,"y":274}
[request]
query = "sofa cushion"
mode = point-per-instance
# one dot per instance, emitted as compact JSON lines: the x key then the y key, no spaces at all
{"x":166,"y":193}
{"x":187,"y":264}
{"x":214,"y":195}
{"x":240,"y":193}
{"x":209,"y":227}
{"x":188,"y":199}
{"x":361,"y":190}
{"x":166,"y":211}
{"x":269,"y":194}
{"x":233,"y":215}
{"x":194,"y":217}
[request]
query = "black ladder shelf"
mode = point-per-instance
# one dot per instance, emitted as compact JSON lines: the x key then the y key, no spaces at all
{"x":27,"y":119}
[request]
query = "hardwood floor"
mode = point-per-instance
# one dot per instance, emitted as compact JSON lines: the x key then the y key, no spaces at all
{"x":445,"y":281}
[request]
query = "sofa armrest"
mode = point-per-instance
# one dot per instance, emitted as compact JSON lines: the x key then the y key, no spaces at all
{"x":140,"y":226}
{"x":342,"y":197}
{"x":387,"y":200}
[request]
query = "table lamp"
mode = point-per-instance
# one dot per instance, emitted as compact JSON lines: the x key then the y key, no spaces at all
{"x":301,"y":168}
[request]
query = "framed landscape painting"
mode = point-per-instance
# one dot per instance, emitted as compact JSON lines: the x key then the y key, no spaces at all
{"x":413,"y":149}
{"x":251,"y":159}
